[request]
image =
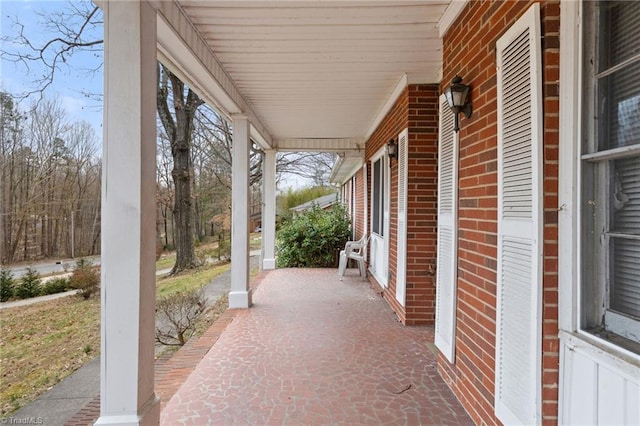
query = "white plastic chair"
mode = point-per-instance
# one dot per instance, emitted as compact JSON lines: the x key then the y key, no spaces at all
{"x":356,"y":250}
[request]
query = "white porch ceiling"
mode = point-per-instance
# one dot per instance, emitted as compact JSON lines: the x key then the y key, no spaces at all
{"x":316,"y":70}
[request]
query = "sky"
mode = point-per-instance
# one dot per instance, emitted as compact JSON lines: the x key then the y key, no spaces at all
{"x":70,"y":83}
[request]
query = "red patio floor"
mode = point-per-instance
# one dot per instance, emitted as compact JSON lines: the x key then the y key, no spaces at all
{"x":316,"y":350}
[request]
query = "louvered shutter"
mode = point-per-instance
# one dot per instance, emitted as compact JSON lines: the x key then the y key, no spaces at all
{"x":518,"y":328}
{"x":401,"y":258}
{"x":447,"y":233}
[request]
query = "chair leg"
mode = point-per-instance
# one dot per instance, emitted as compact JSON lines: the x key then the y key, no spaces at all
{"x":342,"y":266}
{"x":363,"y":270}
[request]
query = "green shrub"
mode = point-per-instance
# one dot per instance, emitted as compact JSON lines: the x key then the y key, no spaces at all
{"x":7,"y":283}
{"x":313,"y":238}
{"x":85,"y":278}
{"x":29,"y":285}
{"x":53,"y":286}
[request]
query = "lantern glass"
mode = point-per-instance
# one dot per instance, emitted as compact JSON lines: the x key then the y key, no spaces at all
{"x":459,"y":94}
{"x":449,"y":96}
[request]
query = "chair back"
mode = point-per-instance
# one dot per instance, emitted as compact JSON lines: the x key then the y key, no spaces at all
{"x":365,"y":245}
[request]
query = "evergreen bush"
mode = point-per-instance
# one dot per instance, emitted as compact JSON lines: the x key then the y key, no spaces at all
{"x":313,"y":238}
{"x":56,"y":285}
{"x":29,"y":285}
{"x":7,"y":284}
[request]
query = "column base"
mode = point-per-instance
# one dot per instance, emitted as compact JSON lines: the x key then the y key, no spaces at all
{"x":149,"y":416}
{"x":240,"y":299}
{"x":268,"y":264}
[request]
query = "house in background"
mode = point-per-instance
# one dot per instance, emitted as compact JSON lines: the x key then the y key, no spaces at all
{"x":324,"y":203}
{"x":516,"y":234}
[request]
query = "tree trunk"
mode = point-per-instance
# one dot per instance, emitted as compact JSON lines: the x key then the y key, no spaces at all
{"x":179,"y":129}
{"x":185,"y":252}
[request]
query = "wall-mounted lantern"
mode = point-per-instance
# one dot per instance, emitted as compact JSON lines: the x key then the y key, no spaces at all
{"x":392,"y":150}
{"x":457,"y":97}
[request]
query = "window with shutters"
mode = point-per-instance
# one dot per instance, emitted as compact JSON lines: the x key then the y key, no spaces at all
{"x":610,"y":202}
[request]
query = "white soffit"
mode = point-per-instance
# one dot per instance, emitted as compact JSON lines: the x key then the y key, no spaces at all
{"x":320,"y":70}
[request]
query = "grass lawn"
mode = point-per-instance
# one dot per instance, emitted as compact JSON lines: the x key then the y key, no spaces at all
{"x":166,"y":286}
{"x":43,"y":343}
{"x":166,"y":261}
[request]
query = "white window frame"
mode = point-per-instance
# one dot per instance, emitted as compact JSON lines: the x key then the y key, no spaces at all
{"x":380,"y":272}
{"x":381,"y":199}
{"x":570,"y":181}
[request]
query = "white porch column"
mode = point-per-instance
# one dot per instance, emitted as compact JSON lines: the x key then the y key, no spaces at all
{"x":128,"y":216}
{"x":269,"y":210}
{"x":240,"y":294}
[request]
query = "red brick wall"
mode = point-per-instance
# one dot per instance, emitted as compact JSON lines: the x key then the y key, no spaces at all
{"x":422,"y":202}
{"x":470,"y":50}
{"x":417,"y":110}
{"x":550,"y":15}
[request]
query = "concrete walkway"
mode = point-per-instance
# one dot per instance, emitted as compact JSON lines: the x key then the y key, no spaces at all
{"x":34,"y":300}
{"x":61,"y":402}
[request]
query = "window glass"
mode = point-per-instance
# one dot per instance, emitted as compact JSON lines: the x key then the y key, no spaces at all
{"x":378,"y":197}
{"x":611,"y":173}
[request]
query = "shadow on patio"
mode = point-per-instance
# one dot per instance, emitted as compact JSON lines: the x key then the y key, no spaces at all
{"x":315,"y":350}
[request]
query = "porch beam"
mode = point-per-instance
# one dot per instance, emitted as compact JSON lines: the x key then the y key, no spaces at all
{"x":128,"y":216}
{"x":346,"y":165}
{"x":240,"y":294}
{"x":320,"y":144}
{"x":269,"y":211}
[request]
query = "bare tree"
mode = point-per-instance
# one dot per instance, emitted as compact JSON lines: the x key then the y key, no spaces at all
{"x":76,"y":29}
{"x":176,"y":103}
{"x":49,"y":191}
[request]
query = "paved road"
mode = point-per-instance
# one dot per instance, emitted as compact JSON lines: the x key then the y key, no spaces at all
{"x":51,"y":267}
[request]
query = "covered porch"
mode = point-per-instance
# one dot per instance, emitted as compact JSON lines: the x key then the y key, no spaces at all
{"x":290,"y":76}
